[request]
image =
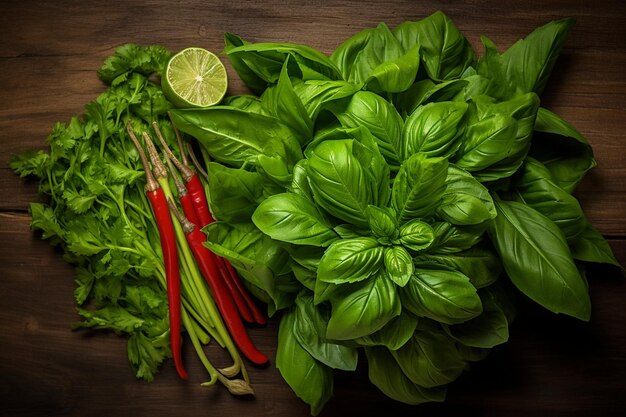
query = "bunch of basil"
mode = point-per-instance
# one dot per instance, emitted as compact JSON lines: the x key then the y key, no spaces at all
{"x":386,"y":197}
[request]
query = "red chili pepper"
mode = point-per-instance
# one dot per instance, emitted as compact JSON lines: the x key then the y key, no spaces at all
{"x":249,"y":311}
{"x":170,"y":256}
{"x":207,"y":264}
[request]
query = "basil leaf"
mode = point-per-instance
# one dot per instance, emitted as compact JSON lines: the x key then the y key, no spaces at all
{"x":233,"y":193}
{"x":398,"y":264}
{"x":529,"y":61}
{"x":486,"y":142}
{"x":465,"y":201}
{"x":362,"y":53}
{"x":396,"y":75}
{"x":535,"y":188}
{"x":234,"y":137}
{"x":385,"y":373}
{"x":489,"y":329}
{"x":425,"y":91}
{"x":434,"y":129}
{"x":592,"y":247}
{"x":294,"y":219}
{"x":394,"y":334}
{"x":350,"y":260}
{"x":263,"y":61}
{"x":480,"y":265}
{"x":450,"y":238}
{"x":246,"y":102}
{"x":339,"y":182}
{"x":317,"y":95}
{"x":380,"y":117}
{"x":430,"y":359}
{"x":382,"y":223}
{"x":300,"y":182}
{"x":310,"y":324}
{"x":441,"y":294}
{"x":252,"y":80}
{"x":416,"y":235}
{"x":418,"y":187}
{"x":282,"y":102}
{"x":362,"y":308}
{"x":536,"y":258}
{"x":562,"y":149}
{"x":305,"y":276}
{"x":444,"y":50}
{"x":311,"y":380}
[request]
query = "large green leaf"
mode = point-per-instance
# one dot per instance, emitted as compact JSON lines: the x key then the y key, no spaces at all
{"x":310,"y":379}
{"x":434,"y":129}
{"x":385,"y":373}
{"x":339,"y":181}
{"x":234,"y":137}
{"x":363,"y":308}
{"x":234,"y":193}
{"x":562,"y":149}
{"x":441,"y":294}
{"x":536,"y":257}
{"x":444,"y":50}
{"x":465,"y":201}
{"x":310,"y":328}
{"x":292,"y":218}
{"x":430,"y":359}
{"x":380,"y":117}
{"x":535,"y":188}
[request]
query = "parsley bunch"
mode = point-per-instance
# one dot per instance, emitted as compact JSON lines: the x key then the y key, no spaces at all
{"x":97,"y":211}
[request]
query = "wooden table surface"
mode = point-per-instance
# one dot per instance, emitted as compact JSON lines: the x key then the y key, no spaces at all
{"x":49,"y":52}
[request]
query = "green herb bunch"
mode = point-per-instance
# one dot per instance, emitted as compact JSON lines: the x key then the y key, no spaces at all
{"x":96,"y":210}
{"x":392,"y":198}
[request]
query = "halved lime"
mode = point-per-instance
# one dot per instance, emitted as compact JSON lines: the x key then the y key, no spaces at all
{"x":194,"y":77}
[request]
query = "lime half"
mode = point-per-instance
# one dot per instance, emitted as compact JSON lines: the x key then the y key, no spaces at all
{"x":194,"y":77}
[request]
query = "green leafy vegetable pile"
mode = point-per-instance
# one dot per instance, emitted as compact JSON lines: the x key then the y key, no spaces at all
{"x":393,"y":198}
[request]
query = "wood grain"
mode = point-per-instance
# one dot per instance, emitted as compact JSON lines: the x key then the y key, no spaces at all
{"x":49,"y":52}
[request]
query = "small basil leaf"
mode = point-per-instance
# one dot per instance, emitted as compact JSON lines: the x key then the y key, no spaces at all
{"x":418,"y":187}
{"x":434,"y":129}
{"x":416,"y":235}
{"x":350,"y":260}
{"x":444,"y":295}
{"x":316,"y":95}
{"x":300,"y":182}
{"x":537,"y":259}
{"x":396,"y":75}
{"x":398,"y":264}
{"x":362,"y":308}
{"x":592,"y":247}
{"x":382,"y":222}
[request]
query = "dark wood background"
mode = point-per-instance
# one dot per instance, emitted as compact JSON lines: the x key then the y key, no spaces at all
{"x":49,"y":52}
